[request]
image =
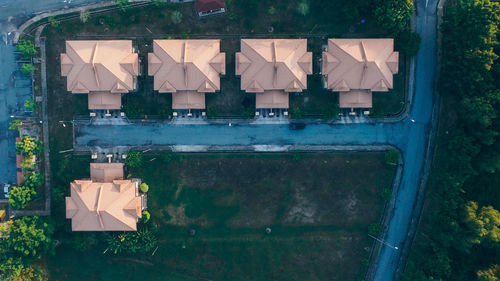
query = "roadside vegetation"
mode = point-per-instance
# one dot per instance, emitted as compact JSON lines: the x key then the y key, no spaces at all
{"x":459,"y":236}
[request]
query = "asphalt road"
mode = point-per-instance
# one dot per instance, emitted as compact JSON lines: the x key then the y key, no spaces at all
{"x":22,"y":8}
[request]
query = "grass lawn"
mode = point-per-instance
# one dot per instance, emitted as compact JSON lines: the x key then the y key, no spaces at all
{"x":244,"y":20}
{"x":318,"y":206}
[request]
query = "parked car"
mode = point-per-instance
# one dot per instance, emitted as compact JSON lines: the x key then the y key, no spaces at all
{"x":6,"y":190}
{"x":297,"y":126}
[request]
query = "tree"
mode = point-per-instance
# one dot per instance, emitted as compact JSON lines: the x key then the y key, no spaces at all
{"x":143,"y":187}
{"x":28,"y":146}
{"x":176,"y":17}
{"x":15,"y":124}
{"x":158,"y":3}
{"x":26,"y":48}
{"x":28,"y":238}
{"x":374,"y":229}
{"x":27,"y":68}
{"x":391,"y":157}
{"x":490,"y":274}
{"x":123,"y":4}
{"x":485,"y":224}
{"x":394,"y":15}
{"x":20,"y":196}
{"x":52,"y":21}
{"x":33,"y":179}
{"x":303,"y":8}
{"x":407,"y":43}
{"x":134,"y":159}
{"x":84,"y":16}
{"x":30,"y":105}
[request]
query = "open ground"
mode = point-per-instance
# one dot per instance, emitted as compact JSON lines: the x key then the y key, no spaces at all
{"x":318,"y":207}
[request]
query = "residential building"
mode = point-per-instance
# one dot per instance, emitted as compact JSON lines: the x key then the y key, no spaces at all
{"x":272,"y":68}
{"x":357,"y":67}
{"x":210,"y":7}
{"x":102,"y":69}
{"x":105,"y":202}
{"x":188,"y":69}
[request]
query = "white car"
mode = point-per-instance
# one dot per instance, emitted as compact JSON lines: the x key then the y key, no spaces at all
{"x":6,"y":190}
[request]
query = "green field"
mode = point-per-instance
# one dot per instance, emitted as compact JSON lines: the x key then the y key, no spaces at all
{"x":318,"y":206}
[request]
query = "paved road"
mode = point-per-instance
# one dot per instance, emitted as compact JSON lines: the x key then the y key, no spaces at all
{"x":25,"y":8}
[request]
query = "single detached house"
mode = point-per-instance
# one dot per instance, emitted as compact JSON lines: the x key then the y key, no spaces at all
{"x":188,"y":69}
{"x":105,"y":202}
{"x":357,"y":67}
{"x":210,"y":7}
{"x":272,"y":68}
{"x":102,"y":69}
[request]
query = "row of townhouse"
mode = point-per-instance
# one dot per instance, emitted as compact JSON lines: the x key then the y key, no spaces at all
{"x":269,"y":68}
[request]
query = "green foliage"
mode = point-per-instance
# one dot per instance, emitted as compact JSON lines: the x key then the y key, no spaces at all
{"x":33,"y":179}
{"x":26,"y":48}
{"x":407,"y":43}
{"x":28,"y":238}
{"x":158,"y":3}
{"x":84,"y":16}
{"x":80,"y":242}
{"x":296,"y":157}
{"x":490,"y":274}
{"x":123,"y":4}
{"x":303,"y":8}
{"x":141,"y":241}
{"x":144,"y":188}
{"x":20,"y":196}
{"x":393,"y":15}
{"x":146,"y":216}
{"x":330,"y":110}
{"x":28,"y":146}
{"x":374,"y":229}
{"x":297,"y":113}
{"x":15,"y":124}
{"x":392,"y":157}
{"x":133,"y":111}
{"x":30,"y":105}
{"x":53,"y":22}
{"x":484,"y":223}
{"x":14,"y":270}
{"x":176,"y":17}
{"x":134,"y":159}
{"x":27,"y":68}
{"x":167,"y":156}
{"x":271,"y":11}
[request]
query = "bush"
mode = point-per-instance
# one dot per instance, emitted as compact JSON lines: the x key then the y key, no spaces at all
{"x":145,"y":216}
{"x":407,"y":43}
{"x":140,"y":241}
{"x":134,"y":159}
{"x":26,"y":48}
{"x":392,"y":157}
{"x":176,"y":17}
{"x":143,"y":188}
{"x":28,"y":146}
{"x":30,"y":105}
{"x":374,"y":229}
{"x":386,"y":194}
{"x":27,"y":68}
{"x":303,"y":8}
{"x":33,"y":179}
{"x":20,"y":196}
{"x":15,"y":124}
{"x":167,"y":156}
{"x":53,"y":22}
{"x":394,"y":15}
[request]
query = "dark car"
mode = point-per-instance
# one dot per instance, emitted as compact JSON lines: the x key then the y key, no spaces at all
{"x":297,"y":126}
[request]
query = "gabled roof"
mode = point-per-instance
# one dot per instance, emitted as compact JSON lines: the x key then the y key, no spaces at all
{"x":104,"y":100}
{"x":95,"y":205}
{"x":271,"y":99}
{"x":186,"y":65}
{"x":360,"y":64}
{"x":99,"y":65}
{"x":209,"y":5}
{"x":273,"y":64}
{"x":355,"y":99}
{"x":106,"y":172}
{"x":188,"y":100}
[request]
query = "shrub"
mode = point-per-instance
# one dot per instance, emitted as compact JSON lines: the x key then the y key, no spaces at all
{"x":297,"y":113}
{"x":296,"y":157}
{"x":394,"y":15}
{"x":145,"y":216}
{"x":140,"y":241}
{"x":53,"y":22}
{"x":176,"y":17}
{"x":26,"y":48}
{"x":15,"y":124}
{"x":392,"y":157}
{"x":30,"y":105}
{"x":134,"y":159}
{"x":20,"y":196}
{"x":167,"y":156}
{"x":143,"y":188}
{"x":374,"y":229}
{"x":303,"y":8}
{"x":407,"y":43}
{"x":28,"y":146}
{"x":33,"y":179}
{"x":27,"y":68}
{"x":386,"y":194}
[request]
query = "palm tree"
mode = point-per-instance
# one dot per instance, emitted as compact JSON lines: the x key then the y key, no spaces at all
{"x":176,"y":17}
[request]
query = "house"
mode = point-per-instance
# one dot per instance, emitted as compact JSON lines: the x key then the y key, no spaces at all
{"x":188,"y":69}
{"x":357,"y":67}
{"x":102,"y":69}
{"x":105,"y":202}
{"x":210,"y":7}
{"x":272,"y":68}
